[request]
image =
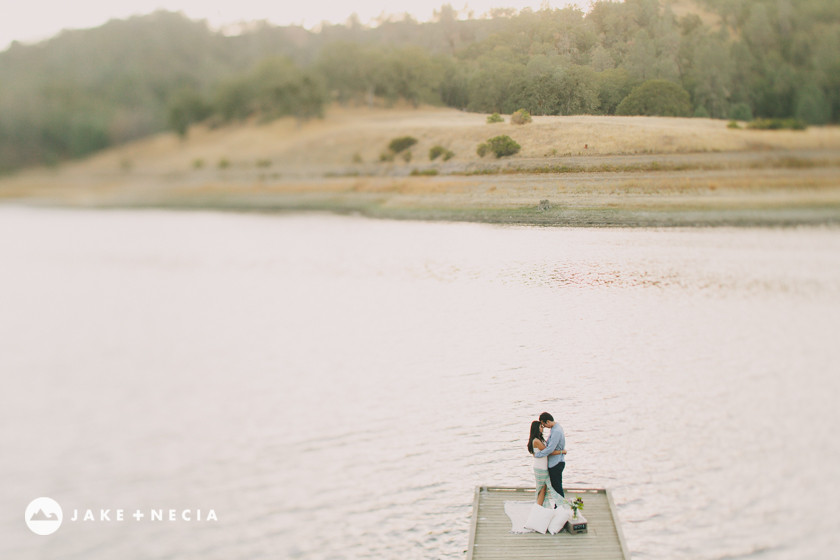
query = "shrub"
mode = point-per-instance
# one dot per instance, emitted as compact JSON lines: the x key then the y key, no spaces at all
{"x":656,"y":97}
{"x":495,"y":118}
{"x":482,"y":149}
{"x":406,"y":155}
{"x":733,"y":124}
{"x":224,"y":163}
{"x":198,"y":163}
{"x":386,"y":156}
{"x":777,"y":124}
{"x":520,"y":117}
{"x":503,"y":146}
{"x":740,"y":112}
{"x":397,"y":145}
{"x":437,"y":151}
{"x":418,"y":172}
{"x":795,"y":124}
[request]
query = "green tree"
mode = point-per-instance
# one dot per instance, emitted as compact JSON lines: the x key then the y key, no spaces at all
{"x":186,"y":106}
{"x":812,"y":106}
{"x":454,"y":85}
{"x":827,"y":66}
{"x":740,"y":112}
{"x":540,"y":87}
{"x":495,"y":87}
{"x":578,"y":91}
{"x":710,"y":78}
{"x":280,"y":88}
{"x":601,"y":59}
{"x":234,"y":99}
{"x":411,"y":74}
{"x":613,"y":86}
{"x":353,"y":71}
{"x":656,"y":97}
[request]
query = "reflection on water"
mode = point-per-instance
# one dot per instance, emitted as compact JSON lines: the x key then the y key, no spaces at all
{"x":335,"y":387}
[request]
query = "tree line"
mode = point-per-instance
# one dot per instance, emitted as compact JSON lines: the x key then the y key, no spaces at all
{"x":85,"y":90}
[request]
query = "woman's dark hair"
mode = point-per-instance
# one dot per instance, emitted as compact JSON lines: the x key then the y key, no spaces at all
{"x":535,"y":434}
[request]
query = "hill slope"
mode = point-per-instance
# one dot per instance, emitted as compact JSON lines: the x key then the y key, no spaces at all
{"x":593,"y":170}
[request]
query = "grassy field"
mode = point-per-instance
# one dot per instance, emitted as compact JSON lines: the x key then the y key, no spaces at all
{"x":601,"y":171}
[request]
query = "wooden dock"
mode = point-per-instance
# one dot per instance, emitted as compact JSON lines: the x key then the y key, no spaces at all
{"x":491,"y":539}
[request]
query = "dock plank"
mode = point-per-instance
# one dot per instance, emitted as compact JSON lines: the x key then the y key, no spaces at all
{"x":491,"y":539}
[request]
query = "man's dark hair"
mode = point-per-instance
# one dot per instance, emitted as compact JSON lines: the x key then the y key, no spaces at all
{"x":546,"y":417}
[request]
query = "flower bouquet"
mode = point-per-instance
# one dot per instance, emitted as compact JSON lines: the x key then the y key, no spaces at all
{"x":576,"y":505}
{"x":577,"y":524}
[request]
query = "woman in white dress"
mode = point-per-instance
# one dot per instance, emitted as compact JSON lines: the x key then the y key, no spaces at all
{"x":535,"y":439}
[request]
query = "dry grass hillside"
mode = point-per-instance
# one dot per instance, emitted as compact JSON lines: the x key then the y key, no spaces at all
{"x":349,"y":135}
{"x":593,"y":170}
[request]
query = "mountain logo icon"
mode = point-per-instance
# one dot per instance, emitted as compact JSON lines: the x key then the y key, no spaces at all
{"x":43,"y":516}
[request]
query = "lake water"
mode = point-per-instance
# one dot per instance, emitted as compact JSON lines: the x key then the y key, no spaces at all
{"x":335,"y":387}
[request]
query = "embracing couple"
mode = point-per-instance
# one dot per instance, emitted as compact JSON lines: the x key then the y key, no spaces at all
{"x":549,"y":459}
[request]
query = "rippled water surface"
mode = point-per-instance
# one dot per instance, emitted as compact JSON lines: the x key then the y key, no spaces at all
{"x":335,"y":387}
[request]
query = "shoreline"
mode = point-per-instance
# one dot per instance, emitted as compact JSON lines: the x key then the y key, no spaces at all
{"x":633,"y":172}
{"x":739,"y":197}
{"x":556,"y":216}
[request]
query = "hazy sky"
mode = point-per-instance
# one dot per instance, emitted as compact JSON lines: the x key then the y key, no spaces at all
{"x":33,"y":20}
